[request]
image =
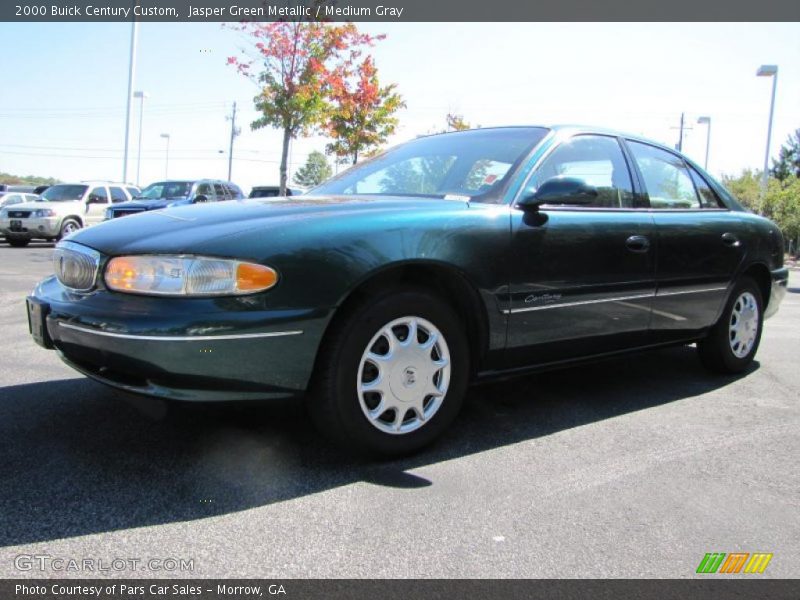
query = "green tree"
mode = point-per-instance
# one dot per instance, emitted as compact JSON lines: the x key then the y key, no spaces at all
{"x":456,"y":122}
{"x":10,"y":179}
{"x":315,"y":171}
{"x":781,"y":202}
{"x":788,"y":163}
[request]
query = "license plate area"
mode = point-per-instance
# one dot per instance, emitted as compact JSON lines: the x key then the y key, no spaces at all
{"x":37,"y":322}
{"x":15,"y":225}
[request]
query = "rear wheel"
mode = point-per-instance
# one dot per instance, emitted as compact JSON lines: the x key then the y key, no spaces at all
{"x":733,"y":342}
{"x":18,"y":242}
{"x":393,"y":373}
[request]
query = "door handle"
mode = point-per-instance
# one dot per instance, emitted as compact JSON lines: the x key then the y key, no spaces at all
{"x":638,"y":243}
{"x":730,"y":240}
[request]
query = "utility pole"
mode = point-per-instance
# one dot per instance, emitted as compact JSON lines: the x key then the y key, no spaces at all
{"x":682,"y":128}
{"x":234,"y":132}
{"x":131,"y":77}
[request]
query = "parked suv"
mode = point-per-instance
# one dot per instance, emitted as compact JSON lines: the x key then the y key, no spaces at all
{"x":163,"y":194}
{"x":271,"y":191}
{"x":67,"y":207}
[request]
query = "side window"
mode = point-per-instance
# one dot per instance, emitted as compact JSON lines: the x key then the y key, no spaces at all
{"x":597,"y":160}
{"x":203,"y":189}
{"x":98,"y":195}
{"x":666,"y":177}
{"x":118,"y":194}
{"x":708,"y":197}
{"x":219,"y":191}
{"x":234,"y":191}
{"x":133,"y":191}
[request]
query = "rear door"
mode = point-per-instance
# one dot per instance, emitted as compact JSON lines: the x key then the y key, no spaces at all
{"x":698,"y":248}
{"x":96,"y":205}
{"x":583,"y":277}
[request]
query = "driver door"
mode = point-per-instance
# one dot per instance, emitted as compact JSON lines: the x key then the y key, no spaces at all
{"x":582,"y":277}
{"x":96,"y":205}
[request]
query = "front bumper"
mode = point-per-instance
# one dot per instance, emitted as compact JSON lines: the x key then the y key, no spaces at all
{"x":43,"y":227}
{"x":780,"y":282}
{"x":186,"y":349}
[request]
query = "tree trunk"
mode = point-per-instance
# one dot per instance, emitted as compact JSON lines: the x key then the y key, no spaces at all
{"x":287,"y":137}
{"x":355,"y":156}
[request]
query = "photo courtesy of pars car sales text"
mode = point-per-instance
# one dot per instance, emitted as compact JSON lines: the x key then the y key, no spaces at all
{"x":151,"y":590}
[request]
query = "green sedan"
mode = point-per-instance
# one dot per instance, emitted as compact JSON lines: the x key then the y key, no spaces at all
{"x":380,"y":296}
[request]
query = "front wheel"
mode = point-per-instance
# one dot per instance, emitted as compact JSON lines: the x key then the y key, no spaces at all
{"x":732,"y":343}
{"x":393,"y":373}
{"x":68,"y":227}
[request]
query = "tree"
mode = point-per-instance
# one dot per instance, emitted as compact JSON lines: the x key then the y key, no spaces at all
{"x":456,"y":122}
{"x":26,"y":179}
{"x":315,"y":171}
{"x":293,"y":63}
{"x":781,"y":202}
{"x":363,"y":115}
{"x":788,"y":163}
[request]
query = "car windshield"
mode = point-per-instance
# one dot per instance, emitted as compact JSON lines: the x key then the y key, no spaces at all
{"x":470,"y":164}
{"x":166,"y":189}
{"x":64,"y":193}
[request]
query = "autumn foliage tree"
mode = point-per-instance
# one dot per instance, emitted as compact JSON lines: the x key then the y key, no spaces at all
{"x":296,"y":65}
{"x":363,"y":114}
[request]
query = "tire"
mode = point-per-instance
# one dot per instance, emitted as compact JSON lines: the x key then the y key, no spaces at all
{"x":732,"y":343}
{"x":17,"y":242}
{"x":67,"y":227}
{"x":345,"y":398}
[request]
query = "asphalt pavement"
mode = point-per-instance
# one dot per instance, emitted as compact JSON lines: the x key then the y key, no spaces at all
{"x":634,"y":467}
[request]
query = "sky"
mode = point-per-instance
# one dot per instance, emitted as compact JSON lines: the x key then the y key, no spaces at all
{"x":63,"y":91}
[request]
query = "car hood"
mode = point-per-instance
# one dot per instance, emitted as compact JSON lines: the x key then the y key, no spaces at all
{"x":151,"y":204}
{"x":193,"y":228}
{"x":43,"y":204}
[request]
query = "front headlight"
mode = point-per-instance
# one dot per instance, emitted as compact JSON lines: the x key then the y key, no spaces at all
{"x":43,"y":212}
{"x":187,"y":276}
{"x":109,"y":213}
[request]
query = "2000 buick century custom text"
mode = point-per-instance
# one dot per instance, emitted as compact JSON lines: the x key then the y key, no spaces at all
{"x":383,"y":293}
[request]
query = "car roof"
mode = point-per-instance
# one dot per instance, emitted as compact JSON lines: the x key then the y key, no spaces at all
{"x":567,"y":129}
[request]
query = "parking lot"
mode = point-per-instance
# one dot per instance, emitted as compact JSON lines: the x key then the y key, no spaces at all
{"x":628,"y":468}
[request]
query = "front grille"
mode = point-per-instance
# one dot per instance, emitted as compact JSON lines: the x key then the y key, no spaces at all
{"x":19,"y":214}
{"x":76,"y":265}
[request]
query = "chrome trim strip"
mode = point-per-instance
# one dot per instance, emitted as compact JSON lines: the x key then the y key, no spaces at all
{"x":578,"y":303}
{"x":619,"y":299}
{"x":184,"y":338}
{"x":680,"y":293}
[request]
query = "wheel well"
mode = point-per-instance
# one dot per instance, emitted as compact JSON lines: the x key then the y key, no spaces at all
{"x":760,"y":273}
{"x":446,"y":282}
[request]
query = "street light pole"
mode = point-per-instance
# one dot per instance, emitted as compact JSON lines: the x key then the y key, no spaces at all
{"x":141,"y":95}
{"x":706,"y":121}
{"x":131,"y":75}
{"x":166,"y":164}
{"x":768,"y":71}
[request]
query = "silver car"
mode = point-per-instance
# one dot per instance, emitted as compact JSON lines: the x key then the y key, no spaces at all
{"x":66,"y":207}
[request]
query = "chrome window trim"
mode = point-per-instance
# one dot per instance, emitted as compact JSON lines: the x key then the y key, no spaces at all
{"x":178,"y":338}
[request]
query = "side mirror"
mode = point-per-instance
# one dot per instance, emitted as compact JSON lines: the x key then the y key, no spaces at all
{"x":560,"y":190}
{"x":200,"y":198}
